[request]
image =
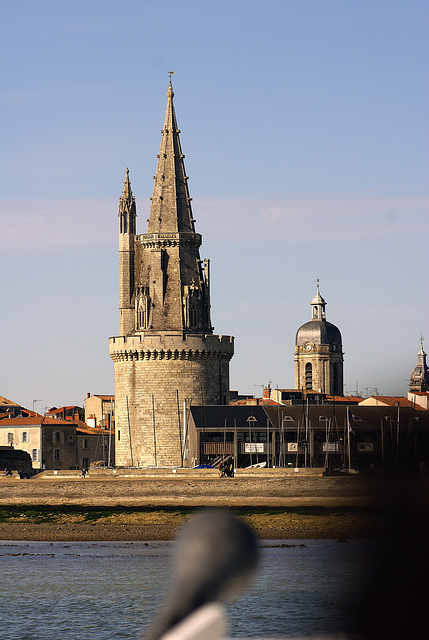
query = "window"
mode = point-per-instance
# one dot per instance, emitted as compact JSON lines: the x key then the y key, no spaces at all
{"x":308,"y":375}
{"x":57,"y":455}
{"x":119,"y":435}
{"x":10,"y":438}
{"x":336,"y":382}
{"x":85,"y":443}
{"x":25,"y":437}
{"x":35,"y":455}
{"x":57,"y":437}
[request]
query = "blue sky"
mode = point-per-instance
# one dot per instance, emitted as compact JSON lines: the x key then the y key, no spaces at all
{"x":305,"y":130}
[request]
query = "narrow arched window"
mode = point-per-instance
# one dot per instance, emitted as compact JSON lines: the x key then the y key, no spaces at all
{"x":335,"y":380}
{"x":308,"y":375}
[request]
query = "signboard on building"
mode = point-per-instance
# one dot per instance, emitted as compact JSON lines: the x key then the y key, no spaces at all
{"x":254,"y":447}
{"x":330,"y":447}
{"x":292,"y":447}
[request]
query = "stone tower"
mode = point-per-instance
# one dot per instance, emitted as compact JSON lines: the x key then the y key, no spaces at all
{"x":319,"y":352}
{"x":166,"y":354}
{"x":419,"y":380}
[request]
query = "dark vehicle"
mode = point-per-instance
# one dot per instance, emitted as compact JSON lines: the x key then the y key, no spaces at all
{"x":16,"y":460}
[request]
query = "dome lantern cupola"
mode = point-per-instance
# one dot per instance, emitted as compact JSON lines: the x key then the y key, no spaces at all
{"x":318,"y":306}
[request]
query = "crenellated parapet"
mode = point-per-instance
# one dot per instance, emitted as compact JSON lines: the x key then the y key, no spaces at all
{"x":195,"y":348}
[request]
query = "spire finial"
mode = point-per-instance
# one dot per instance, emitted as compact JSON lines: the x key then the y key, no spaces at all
{"x":317,"y":281}
{"x":170,"y":92}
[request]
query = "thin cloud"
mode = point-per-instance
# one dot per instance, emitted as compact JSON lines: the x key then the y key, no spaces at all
{"x":38,"y":225}
{"x":34,"y":225}
{"x":47,"y":94}
{"x":324,"y":218}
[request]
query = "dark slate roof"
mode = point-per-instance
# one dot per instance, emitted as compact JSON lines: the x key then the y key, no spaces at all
{"x":214,"y":416}
{"x":319,"y":332}
{"x":361,"y":417}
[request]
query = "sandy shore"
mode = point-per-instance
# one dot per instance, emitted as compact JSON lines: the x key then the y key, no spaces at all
{"x":154,"y":508}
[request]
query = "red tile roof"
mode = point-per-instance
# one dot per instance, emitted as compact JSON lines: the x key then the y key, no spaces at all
{"x":344,"y":399}
{"x":393,"y":401}
{"x":34,"y":421}
{"x":66,"y":408}
{"x":84,"y":429}
{"x":254,"y":402}
{"x":5,"y":401}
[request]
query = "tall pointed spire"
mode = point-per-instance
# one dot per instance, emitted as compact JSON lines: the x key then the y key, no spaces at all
{"x":171,"y":205}
{"x":168,"y":266}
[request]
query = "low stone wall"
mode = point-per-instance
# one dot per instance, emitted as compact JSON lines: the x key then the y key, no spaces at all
{"x":169,"y":473}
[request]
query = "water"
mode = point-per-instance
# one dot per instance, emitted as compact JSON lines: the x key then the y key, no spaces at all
{"x":102,"y":591}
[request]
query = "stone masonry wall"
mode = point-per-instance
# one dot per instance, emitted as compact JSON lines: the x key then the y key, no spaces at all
{"x":322,"y":360}
{"x":154,"y":375}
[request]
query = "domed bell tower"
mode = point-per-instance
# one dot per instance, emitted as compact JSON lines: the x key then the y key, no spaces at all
{"x":319,"y":352}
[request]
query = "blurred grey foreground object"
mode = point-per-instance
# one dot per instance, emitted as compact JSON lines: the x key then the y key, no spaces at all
{"x":216,"y":556}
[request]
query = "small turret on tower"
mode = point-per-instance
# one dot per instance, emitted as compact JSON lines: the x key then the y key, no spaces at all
{"x":127,"y":229}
